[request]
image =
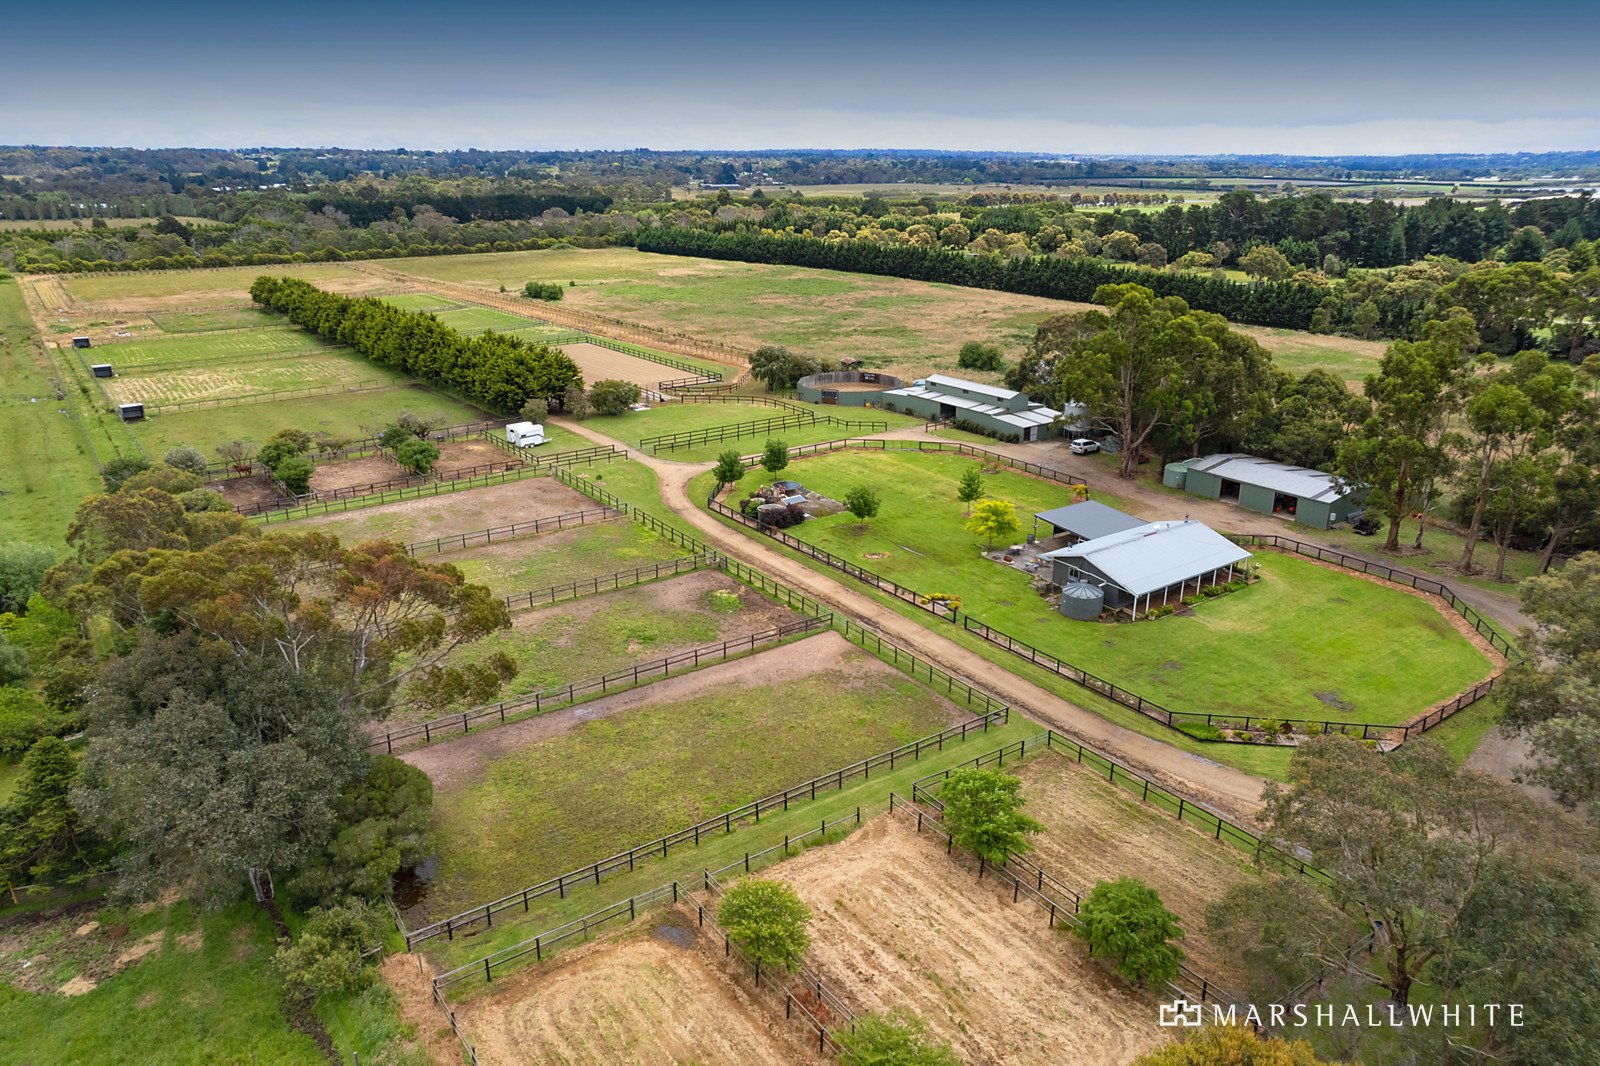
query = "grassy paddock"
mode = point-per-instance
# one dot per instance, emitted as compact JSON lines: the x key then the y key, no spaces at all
{"x":224,"y":381}
{"x":631,"y":426}
{"x":49,"y":463}
{"x":341,"y":414}
{"x":1299,"y":644}
{"x":209,"y":286}
{"x":610,"y":783}
{"x":179,"y":322}
{"x":157,"y":350}
{"x":567,"y":555}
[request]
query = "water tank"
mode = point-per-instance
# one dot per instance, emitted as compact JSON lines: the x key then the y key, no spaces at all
{"x":1082,"y":601}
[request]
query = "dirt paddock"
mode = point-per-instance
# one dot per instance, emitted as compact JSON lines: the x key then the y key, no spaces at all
{"x":244,"y":492}
{"x":461,"y":454}
{"x":355,"y":473}
{"x":1095,"y":831}
{"x":600,"y":363}
{"x":898,"y":923}
{"x":428,"y":517}
{"x":653,"y":994}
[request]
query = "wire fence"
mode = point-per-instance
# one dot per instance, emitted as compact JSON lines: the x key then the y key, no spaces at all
{"x":690,"y":437}
{"x":351,"y":492}
{"x":274,"y":396}
{"x":484,"y":537}
{"x":535,"y":703}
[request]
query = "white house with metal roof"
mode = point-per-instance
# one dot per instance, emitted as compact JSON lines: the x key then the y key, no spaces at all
{"x":1149,"y":564}
{"x":998,"y":410}
{"x":1312,"y":497}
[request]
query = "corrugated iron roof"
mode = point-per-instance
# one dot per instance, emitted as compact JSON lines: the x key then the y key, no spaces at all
{"x":1152,"y":556}
{"x":1089,"y":519}
{"x":972,"y":386}
{"x":1299,"y":481}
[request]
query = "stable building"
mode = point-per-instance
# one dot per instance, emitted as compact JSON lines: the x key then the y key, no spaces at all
{"x":1148,"y":565}
{"x":1311,"y":497}
{"x":1000,"y":411}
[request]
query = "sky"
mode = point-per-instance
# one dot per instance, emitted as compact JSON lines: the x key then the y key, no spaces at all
{"x":1067,"y":77}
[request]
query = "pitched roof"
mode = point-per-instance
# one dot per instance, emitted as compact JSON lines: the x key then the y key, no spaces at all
{"x":1089,"y":519}
{"x":971,"y":386}
{"x":1152,"y":556}
{"x":1035,"y":415}
{"x":1279,"y":477}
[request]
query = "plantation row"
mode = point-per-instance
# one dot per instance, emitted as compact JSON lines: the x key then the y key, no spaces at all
{"x":499,"y":372}
{"x":1282,"y":304}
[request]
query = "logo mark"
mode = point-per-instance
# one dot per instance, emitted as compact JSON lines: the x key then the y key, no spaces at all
{"x":1180,"y":1013}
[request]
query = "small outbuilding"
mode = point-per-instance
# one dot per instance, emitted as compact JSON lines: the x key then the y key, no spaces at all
{"x":80,"y":342}
{"x":1085,"y":521}
{"x":131,"y":412}
{"x":1150,"y":564}
{"x":101,"y":370}
{"x":1311,"y":497}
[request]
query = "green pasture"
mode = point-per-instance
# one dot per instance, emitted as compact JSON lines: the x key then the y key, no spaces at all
{"x":477,"y":319}
{"x":610,"y":783}
{"x":1305,"y":642}
{"x":343,"y":414}
{"x":238,"y":381}
{"x":50,"y":464}
{"x":207,"y":321}
{"x":196,"y":347}
{"x":567,"y":555}
{"x":421,"y":301}
{"x":631,"y":426}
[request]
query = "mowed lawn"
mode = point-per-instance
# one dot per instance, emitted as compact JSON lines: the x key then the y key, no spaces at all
{"x":614,"y":782}
{"x":158,"y":351}
{"x":632,"y":426}
{"x":341,"y":414}
{"x":1306,"y":642}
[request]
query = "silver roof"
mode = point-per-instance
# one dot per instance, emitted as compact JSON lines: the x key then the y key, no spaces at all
{"x":1278,"y":477}
{"x":1150,"y":557}
{"x":1089,"y":519}
{"x":971,"y":386}
{"x":1035,"y":415}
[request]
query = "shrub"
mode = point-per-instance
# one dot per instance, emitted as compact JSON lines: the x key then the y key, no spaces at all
{"x":983,"y":811}
{"x":186,"y":458}
{"x":891,"y":1038}
{"x":1124,"y":922}
{"x":1313,"y":729}
{"x":536,"y":410}
{"x":1243,"y":736}
{"x":575,"y":402}
{"x":1270,"y":725}
{"x":120,"y":469}
{"x":1190,"y":601}
{"x":326,"y":958}
{"x":382,"y":828}
{"x":1201,"y":730}
{"x":1236,"y":584}
{"x":22,"y":568}
{"x":768,"y":920}
{"x":416,"y":455}
{"x":538,"y":290}
{"x":1161,"y":611}
{"x":295,"y":473}
{"x":24,"y":718}
{"x":612,"y":397}
{"x":198,"y":500}
{"x":14,"y":665}
{"x":978,"y":356}
{"x":1212,"y":591}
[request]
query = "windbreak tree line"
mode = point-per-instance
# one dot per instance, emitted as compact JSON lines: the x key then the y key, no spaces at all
{"x":1287,"y":305}
{"x":499,"y":372}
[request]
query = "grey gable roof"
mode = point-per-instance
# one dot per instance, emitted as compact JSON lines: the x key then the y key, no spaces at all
{"x":1278,"y":477}
{"x":1150,"y":557}
{"x":1089,"y":519}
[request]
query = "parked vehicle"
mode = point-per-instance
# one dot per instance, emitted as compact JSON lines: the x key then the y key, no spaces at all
{"x":1084,"y":446}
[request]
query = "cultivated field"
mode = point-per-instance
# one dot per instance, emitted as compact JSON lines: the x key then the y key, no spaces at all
{"x":523,"y":802}
{"x":164,"y":350}
{"x":1096,"y":831}
{"x":225,"y":379}
{"x":1299,"y":644}
{"x":908,"y":328}
{"x":651,"y":995}
{"x":898,"y":923}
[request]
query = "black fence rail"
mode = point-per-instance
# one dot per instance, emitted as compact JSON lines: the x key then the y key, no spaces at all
{"x":644,"y":518}
{"x":351,"y":492}
{"x":359,"y":447}
{"x":1148,"y":791}
{"x":700,"y":384}
{"x":639,"y":352}
{"x":629,"y":676}
{"x":622,"y":579}
{"x":713,"y":434}
{"x":1058,"y":901}
{"x":626,"y":861}
{"x":467,"y":1049}
{"x":1479,"y":623}
{"x":483,"y":537}
{"x":1151,"y":709}
{"x":706,"y":396}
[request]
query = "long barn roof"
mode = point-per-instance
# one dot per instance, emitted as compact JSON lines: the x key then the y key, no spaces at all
{"x":1153,"y":556}
{"x":1298,"y":481}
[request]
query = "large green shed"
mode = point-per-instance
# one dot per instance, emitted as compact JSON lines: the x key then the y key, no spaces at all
{"x":1311,"y":497}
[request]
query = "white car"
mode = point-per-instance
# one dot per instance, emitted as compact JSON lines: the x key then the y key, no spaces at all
{"x":1084,"y":446}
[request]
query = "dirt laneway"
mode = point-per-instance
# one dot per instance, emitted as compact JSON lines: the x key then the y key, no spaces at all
{"x":1230,"y":790}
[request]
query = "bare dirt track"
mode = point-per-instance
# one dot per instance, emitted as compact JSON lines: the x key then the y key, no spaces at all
{"x":649,"y":997}
{"x":1222,"y":787}
{"x":898,"y":923}
{"x":1095,"y":831}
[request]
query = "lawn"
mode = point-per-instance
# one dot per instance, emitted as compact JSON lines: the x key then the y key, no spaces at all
{"x":341,"y":414}
{"x":198,"y":347}
{"x":553,"y":805}
{"x":207,"y":321}
{"x":1296,"y":645}
{"x":908,"y":328}
{"x":50,"y":464}
{"x":421,"y":301}
{"x":478,"y":319}
{"x":632,"y":426}
{"x":568,"y":555}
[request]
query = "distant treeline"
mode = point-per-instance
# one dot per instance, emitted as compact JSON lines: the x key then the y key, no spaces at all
{"x":363,"y":210}
{"x":1282,"y":304}
{"x":500,"y":373}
